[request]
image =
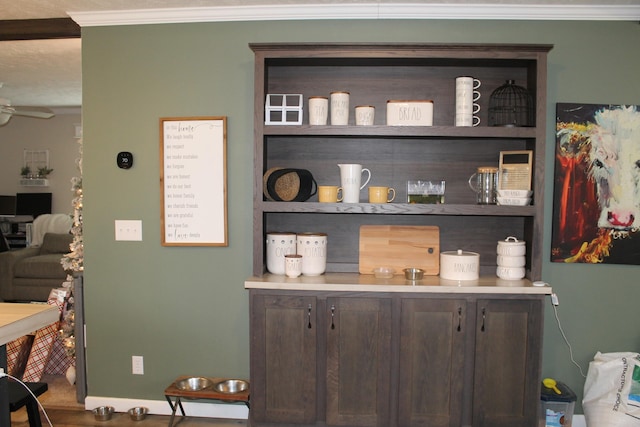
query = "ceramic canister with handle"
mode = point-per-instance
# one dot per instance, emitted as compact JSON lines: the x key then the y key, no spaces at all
{"x":511,"y":246}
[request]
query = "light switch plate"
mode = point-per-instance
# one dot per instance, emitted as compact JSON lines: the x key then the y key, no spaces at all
{"x":129,"y":230}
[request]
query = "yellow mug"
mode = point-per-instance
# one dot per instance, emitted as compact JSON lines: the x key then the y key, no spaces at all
{"x":329,"y":194}
{"x":381,"y":194}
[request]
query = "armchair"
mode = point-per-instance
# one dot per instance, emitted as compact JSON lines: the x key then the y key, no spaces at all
{"x":29,"y":274}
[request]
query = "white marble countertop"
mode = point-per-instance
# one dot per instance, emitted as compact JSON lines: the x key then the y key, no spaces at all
{"x":354,"y":282}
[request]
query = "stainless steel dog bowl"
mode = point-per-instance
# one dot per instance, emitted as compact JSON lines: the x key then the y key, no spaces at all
{"x":231,"y":386}
{"x":413,"y":273}
{"x":193,"y":384}
{"x":138,"y":413}
{"x":103,"y":413}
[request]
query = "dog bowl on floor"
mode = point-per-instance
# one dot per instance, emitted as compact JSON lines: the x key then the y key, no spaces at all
{"x":231,"y":386}
{"x":138,"y":413}
{"x":193,"y":384}
{"x":103,"y":413}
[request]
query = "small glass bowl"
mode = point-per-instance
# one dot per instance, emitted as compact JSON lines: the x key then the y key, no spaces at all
{"x":383,"y":272}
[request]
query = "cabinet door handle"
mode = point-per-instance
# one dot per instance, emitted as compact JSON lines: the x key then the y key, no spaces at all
{"x":333,"y":309}
{"x":484,"y":312}
{"x":459,"y":318}
{"x":309,"y":317}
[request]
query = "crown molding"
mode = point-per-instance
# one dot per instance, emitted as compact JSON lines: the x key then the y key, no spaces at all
{"x":551,"y":12}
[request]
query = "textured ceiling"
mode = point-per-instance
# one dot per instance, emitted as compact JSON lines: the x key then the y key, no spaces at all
{"x":48,"y":72}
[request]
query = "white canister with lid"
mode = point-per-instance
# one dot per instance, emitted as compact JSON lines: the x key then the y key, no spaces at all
{"x":279,"y":245}
{"x":313,"y":248}
{"x":459,"y":265}
{"x":511,"y":247}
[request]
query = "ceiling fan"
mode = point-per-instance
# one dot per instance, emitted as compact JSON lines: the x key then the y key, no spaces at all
{"x":7,"y":111}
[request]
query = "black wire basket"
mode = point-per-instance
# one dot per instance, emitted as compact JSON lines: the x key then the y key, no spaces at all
{"x":511,"y":105}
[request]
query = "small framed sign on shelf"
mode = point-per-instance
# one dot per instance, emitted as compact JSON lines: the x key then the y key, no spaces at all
{"x":515,"y":170}
{"x":193,"y":181}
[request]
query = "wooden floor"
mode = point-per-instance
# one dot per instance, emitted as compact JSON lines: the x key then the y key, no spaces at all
{"x":82,"y":418}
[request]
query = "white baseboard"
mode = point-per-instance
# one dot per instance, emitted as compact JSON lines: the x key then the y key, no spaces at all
{"x":202,"y":409}
{"x":161,"y":407}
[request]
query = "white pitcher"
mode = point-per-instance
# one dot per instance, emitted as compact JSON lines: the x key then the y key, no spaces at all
{"x":350,"y":181}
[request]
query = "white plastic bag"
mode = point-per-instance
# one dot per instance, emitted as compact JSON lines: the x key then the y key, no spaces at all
{"x":612,"y":390}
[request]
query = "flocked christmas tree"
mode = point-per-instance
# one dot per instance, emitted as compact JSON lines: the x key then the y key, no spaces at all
{"x":73,"y":261}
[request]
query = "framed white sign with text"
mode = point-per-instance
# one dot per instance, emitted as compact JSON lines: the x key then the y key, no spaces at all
{"x":193,"y":180}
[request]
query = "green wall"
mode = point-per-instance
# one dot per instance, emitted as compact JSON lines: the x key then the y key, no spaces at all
{"x":184,"y":309}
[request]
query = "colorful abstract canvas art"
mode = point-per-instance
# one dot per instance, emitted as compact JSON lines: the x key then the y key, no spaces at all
{"x":596,"y":215}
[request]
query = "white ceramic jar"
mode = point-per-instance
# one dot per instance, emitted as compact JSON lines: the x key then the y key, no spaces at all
{"x":459,"y":265}
{"x":313,"y":248}
{"x":511,"y":261}
{"x":510,"y":273}
{"x":511,"y":247}
{"x":279,"y":245}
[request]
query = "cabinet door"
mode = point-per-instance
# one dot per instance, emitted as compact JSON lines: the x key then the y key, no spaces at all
{"x":507,"y":364}
{"x":283,"y":359}
{"x":358,"y":361}
{"x":432,"y":346}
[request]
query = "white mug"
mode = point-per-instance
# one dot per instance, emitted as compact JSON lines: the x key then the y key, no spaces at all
{"x":339,"y":108}
{"x":318,"y":110}
{"x":467,"y":96}
{"x":350,"y":181}
{"x":467,"y":120}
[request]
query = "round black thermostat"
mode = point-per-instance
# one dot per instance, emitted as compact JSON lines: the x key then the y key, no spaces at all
{"x":125,"y":160}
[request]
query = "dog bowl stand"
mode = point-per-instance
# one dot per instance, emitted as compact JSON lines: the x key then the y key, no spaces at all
{"x":173,"y":392}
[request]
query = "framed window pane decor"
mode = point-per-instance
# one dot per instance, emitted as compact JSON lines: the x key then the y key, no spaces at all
{"x":193,"y":180}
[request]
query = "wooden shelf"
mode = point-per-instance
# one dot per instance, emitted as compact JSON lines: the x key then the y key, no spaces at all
{"x":448,"y":132}
{"x":374,"y":73}
{"x":397,"y":209}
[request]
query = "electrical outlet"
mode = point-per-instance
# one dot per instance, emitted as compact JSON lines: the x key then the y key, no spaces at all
{"x":137,"y":365}
{"x":130,"y":230}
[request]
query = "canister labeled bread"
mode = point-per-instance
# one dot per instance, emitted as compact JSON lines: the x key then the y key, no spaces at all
{"x":459,"y":265}
{"x":410,"y":113}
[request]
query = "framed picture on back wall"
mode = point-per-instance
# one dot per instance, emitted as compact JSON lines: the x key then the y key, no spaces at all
{"x":596,"y":211}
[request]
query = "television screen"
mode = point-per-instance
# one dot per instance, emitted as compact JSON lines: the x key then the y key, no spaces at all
{"x":33,"y":204}
{"x":7,"y":206}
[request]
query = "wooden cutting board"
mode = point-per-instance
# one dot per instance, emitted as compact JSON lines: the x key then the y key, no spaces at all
{"x":399,"y":247}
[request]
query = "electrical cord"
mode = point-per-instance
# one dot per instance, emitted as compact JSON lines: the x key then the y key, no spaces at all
{"x":2,"y":374}
{"x":554,"y":304}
